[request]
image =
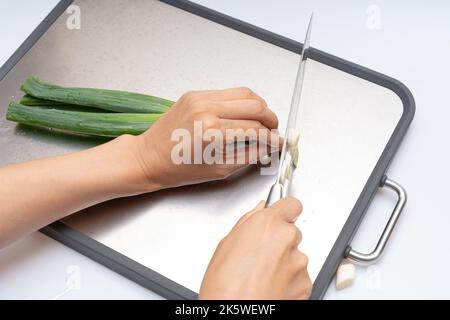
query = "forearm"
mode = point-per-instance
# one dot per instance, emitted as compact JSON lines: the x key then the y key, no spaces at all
{"x":36,"y":193}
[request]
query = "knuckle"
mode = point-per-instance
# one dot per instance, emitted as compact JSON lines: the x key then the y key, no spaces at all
{"x":245,"y":91}
{"x":222,"y":243}
{"x":209,"y":122}
{"x":199,"y":106}
{"x":185,"y":95}
{"x":298,"y":235}
{"x":306,"y":288}
{"x":299,"y":261}
{"x":303,"y":281}
{"x":264,"y":103}
{"x":303,"y":261}
{"x":292,"y":233}
{"x":260,"y":107}
{"x":188,"y":97}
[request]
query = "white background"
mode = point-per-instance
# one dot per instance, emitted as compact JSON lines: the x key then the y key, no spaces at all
{"x":411,"y":42}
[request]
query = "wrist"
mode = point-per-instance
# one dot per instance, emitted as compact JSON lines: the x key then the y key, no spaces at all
{"x":131,"y":156}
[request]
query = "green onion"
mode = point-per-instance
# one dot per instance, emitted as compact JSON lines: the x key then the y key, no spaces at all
{"x":28,"y":100}
{"x":111,"y":100}
{"x":87,"y":123}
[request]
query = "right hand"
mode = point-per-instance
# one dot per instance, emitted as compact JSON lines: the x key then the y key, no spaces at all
{"x":259,"y":258}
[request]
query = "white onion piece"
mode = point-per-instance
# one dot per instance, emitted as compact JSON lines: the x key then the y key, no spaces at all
{"x":293,"y":138}
{"x":345,"y":275}
{"x":286,"y":168}
{"x":294,"y":153}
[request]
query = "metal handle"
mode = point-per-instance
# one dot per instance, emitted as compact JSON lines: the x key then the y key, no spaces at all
{"x":375,"y":254}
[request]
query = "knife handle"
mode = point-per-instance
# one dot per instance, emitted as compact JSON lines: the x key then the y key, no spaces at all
{"x":276,"y":193}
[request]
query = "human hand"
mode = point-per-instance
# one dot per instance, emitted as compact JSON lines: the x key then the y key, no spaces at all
{"x":259,"y":258}
{"x":236,"y":108}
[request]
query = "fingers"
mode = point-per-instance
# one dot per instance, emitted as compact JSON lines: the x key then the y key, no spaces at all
{"x":248,"y":215}
{"x":238,"y":109}
{"x":246,"y":109}
{"x":245,"y":125}
{"x":237,"y":93}
{"x":235,"y":103}
{"x":249,"y":130}
{"x":234,"y":156}
{"x":288,"y":209}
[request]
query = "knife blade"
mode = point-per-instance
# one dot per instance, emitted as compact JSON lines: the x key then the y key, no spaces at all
{"x":281,"y":186}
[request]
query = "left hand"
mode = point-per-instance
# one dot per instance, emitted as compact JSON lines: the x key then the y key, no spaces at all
{"x":220,"y":110}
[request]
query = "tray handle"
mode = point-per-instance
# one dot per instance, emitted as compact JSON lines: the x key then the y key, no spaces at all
{"x":376,"y":253}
